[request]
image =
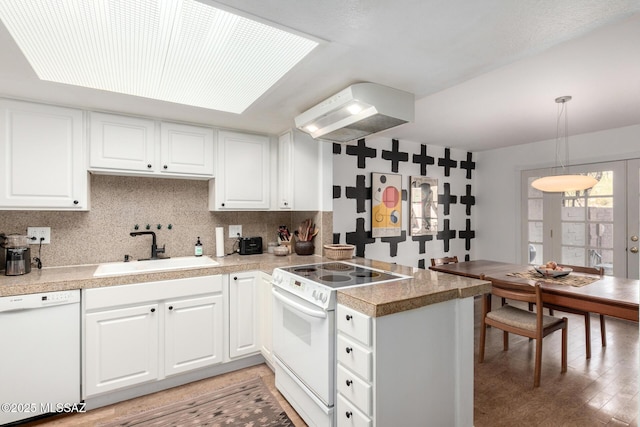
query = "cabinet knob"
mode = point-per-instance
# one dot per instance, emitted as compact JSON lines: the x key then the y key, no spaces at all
{"x":153,"y":310}
{"x":75,"y":202}
{"x":223,"y":205}
{"x":170,"y":307}
{"x":349,"y":414}
{"x":149,"y":166}
{"x":349,"y":349}
{"x":349,"y":382}
{"x":349,"y":317}
{"x":165,"y":167}
{"x":235,"y":277}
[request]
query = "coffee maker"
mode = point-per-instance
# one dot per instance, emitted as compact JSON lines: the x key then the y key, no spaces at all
{"x":17,"y":254}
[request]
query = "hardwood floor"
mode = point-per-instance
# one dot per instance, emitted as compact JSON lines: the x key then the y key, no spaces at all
{"x":602,"y":391}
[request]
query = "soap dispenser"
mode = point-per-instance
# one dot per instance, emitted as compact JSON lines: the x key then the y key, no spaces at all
{"x":198,"y":248}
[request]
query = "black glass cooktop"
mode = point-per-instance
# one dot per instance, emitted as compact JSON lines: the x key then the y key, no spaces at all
{"x":340,"y":274}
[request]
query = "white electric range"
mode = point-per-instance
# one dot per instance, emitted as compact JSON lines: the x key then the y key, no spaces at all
{"x":304,"y":333}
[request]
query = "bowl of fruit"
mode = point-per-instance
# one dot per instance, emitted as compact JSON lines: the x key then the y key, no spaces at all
{"x":552,"y":269}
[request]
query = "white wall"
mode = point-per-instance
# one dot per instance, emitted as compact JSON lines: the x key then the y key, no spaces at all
{"x":498,"y":233}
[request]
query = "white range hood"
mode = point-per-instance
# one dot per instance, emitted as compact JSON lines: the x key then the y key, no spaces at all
{"x":357,"y":111}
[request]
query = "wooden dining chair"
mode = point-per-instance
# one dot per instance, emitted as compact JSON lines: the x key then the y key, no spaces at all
{"x":586,"y":314}
{"x":443,"y":261}
{"x":520,"y":321}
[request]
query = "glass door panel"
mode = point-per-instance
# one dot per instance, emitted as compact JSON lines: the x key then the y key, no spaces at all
{"x":577,"y":228}
{"x":632,"y":238}
{"x":535,"y":205}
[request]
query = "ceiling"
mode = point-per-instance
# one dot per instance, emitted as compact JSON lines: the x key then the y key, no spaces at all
{"x":485,"y":73}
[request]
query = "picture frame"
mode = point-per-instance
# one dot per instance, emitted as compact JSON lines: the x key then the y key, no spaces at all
{"x":386,"y":205}
{"x":423,"y":206}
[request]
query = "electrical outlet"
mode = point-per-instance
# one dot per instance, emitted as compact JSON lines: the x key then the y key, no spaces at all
{"x":38,"y":233}
{"x":235,"y":231}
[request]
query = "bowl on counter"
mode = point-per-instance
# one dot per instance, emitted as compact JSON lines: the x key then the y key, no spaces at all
{"x":565,"y":271}
{"x":281,"y":250}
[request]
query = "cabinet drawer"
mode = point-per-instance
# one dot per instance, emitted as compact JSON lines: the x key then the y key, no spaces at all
{"x":355,"y":357}
{"x":349,"y":416}
{"x":354,"y":323}
{"x":357,"y":391}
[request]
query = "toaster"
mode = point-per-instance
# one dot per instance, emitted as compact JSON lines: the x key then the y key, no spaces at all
{"x":250,"y":245}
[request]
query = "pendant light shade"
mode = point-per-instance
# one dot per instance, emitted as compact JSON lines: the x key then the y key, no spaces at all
{"x":561,"y":181}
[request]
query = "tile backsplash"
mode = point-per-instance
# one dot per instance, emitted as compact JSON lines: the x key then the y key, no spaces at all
{"x":119,"y":203}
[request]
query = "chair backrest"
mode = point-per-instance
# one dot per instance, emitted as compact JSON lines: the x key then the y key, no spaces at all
{"x":516,"y":291}
{"x":587,"y":270}
{"x":445,"y":260}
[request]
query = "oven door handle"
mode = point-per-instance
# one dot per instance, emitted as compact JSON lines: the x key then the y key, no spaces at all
{"x":321,"y":314}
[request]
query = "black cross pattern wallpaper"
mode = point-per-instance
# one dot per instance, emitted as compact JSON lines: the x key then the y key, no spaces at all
{"x":454,"y":170}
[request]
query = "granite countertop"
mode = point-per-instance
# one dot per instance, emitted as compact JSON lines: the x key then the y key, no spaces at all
{"x":424,"y":287}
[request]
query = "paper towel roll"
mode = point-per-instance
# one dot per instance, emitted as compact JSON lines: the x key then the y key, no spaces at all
{"x":219,"y":241}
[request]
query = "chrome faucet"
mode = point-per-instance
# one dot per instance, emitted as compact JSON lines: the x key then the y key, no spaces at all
{"x":154,"y":247}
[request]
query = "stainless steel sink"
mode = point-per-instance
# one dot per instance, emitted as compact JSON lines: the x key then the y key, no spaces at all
{"x":167,"y":264}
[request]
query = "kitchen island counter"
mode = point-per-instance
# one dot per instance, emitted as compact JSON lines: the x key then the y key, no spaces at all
{"x":423,"y":287}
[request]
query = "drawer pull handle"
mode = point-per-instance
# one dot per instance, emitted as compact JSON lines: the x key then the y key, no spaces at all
{"x":349,"y":350}
{"x":153,"y":310}
{"x":170,"y":307}
{"x":349,"y":317}
{"x":349,"y":414}
{"x":349,"y":382}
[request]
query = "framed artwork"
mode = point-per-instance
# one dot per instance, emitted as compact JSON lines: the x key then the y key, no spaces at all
{"x":386,"y":205}
{"x":423,"y":195}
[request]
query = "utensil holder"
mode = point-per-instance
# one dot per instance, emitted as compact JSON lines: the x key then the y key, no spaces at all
{"x":304,"y":247}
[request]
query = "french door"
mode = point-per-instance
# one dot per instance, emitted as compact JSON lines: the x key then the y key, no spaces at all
{"x":598,"y":227}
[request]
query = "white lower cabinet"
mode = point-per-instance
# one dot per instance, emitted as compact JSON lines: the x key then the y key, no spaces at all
{"x":409,"y":368}
{"x":244,"y":325}
{"x":266,"y":317}
{"x":140,"y":333}
{"x":192,"y":336}
{"x":122,"y":347}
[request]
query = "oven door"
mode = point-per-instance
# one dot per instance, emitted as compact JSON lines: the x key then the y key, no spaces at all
{"x":304,"y":341}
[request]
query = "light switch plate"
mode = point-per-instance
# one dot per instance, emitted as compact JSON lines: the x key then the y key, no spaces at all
{"x":38,"y":233}
{"x":235,"y":231}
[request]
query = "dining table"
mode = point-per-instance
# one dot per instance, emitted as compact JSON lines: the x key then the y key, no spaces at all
{"x":607,"y":295}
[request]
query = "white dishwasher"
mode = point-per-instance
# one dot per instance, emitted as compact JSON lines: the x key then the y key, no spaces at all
{"x":40,"y":355}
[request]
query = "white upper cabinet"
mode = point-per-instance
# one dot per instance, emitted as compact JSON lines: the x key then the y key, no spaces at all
{"x":186,"y":149}
{"x":138,"y":146}
{"x":242,"y":172}
{"x":299,"y":171}
{"x":42,"y":160}
{"x":122,"y":143}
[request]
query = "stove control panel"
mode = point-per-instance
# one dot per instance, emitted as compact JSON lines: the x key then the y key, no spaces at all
{"x":308,"y":290}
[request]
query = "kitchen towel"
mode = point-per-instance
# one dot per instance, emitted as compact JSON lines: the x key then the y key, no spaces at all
{"x":219,"y":242}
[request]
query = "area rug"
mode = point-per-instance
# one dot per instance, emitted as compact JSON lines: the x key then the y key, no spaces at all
{"x":249,"y":403}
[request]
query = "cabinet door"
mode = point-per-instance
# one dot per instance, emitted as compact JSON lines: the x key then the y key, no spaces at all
{"x":266,"y":316}
{"x":122,"y":143}
{"x":121,"y":348}
{"x":193,"y":333}
{"x":186,"y":149}
{"x":285,"y":171}
{"x":299,"y":171}
{"x":242,"y":172}
{"x":42,"y":162}
{"x":243,"y":313}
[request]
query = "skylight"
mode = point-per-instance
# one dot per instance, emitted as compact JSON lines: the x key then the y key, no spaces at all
{"x":180,"y":51}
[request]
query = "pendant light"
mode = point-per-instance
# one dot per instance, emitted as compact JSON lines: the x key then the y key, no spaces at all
{"x":561,"y":181}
